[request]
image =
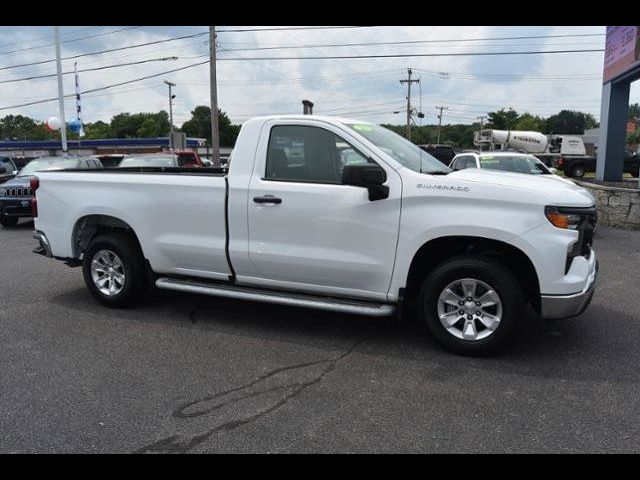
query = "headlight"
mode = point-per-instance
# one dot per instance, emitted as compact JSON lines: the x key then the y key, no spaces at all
{"x":3,"y":192}
{"x":566,"y":218}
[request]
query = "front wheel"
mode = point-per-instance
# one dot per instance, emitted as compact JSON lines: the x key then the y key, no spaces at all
{"x":472,"y":305}
{"x":113,"y":270}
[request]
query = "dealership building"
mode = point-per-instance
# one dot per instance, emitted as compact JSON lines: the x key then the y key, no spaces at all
{"x":621,"y":68}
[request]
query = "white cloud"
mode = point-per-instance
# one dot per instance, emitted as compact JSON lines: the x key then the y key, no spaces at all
{"x":363,"y":87}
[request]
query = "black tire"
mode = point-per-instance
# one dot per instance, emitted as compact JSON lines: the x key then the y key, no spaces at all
{"x":486,"y":270}
{"x":577,"y":171}
{"x":6,"y":221}
{"x":135,"y":286}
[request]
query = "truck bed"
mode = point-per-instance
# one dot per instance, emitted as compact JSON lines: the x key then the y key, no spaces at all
{"x":177,"y":213}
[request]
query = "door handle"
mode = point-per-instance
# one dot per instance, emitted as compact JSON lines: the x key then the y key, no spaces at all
{"x":267,"y":199}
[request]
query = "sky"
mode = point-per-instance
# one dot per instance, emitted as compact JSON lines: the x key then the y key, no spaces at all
{"x":368,"y":89}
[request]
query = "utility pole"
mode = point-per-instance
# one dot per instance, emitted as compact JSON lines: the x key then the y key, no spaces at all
{"x":215,"y":135}
{"x":63,"y":126}
{"x":171,"y":97}
{"x":481,"y":118}
{"x":409,"y":81}
{"x":440,"y":120}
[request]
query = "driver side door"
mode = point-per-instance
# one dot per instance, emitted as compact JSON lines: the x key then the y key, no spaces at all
{"x":318,"y":235}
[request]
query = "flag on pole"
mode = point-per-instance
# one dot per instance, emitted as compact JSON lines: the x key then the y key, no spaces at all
{"x":78,"y":107}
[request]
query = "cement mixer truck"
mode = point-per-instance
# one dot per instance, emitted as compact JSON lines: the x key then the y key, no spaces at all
{"x":564,"y":152}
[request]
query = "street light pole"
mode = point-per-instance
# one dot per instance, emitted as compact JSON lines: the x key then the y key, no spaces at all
{"x":171,"y":85}
{"x":63,"y":126}
{"x":215,"y":135}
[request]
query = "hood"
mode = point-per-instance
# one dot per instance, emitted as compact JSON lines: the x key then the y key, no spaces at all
{"x":555,"y":191}
{"x":17,"y":182}
{"x":5,"y":177}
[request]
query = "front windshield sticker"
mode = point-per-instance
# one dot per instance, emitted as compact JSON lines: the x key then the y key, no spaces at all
{"x":363,"y":128}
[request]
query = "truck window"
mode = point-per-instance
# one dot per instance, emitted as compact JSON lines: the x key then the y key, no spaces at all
{"x":308,"y":154}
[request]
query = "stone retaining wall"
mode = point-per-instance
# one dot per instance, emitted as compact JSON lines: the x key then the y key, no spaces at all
{"x":617,"y":207}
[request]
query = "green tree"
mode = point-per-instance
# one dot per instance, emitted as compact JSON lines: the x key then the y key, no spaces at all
{"x":570,"y":121}
{"x":19,"y":127}
{"x":526,"y":121}
{"x":503,"y":119}
{"x":149,"y":128}
{"x":97,"y":129}
{"x":127,"y":125}
{"x":199,"y":125}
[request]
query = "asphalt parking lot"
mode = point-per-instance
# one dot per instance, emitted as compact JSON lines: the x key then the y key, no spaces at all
{"x":185,"y":373}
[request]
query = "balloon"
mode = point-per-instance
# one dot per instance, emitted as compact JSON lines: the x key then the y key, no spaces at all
{"x":53,"y":124}
{"x":75,"y":125}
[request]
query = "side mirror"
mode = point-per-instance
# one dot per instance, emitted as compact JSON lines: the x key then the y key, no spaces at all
{"x":369,"y":176}
{"x":15,"y":172}
{"x":553,"y":170}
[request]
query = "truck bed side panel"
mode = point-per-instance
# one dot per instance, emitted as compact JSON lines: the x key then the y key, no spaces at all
{"x":178,"y":218}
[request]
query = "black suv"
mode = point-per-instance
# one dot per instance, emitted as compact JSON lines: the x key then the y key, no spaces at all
{"x":16,"y":194}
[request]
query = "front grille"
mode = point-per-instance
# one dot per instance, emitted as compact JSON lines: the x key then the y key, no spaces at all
{"x":18,"y":192}
{"x":587,"y":228}
{"x":582,"y":248}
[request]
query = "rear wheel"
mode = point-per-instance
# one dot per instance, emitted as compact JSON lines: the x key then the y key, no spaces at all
{"x":472,"y":305}
{"x":577,"y":171}
{"x":113,"y":270}
{"x":6,"y":221}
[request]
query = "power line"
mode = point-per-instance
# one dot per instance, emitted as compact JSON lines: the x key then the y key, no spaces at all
{"x":411,"y":42}
{"x":289,"y":28}
{"x":104,"y":67}
{"x":70,"y":41}
{"x":45,"y":37}
{"x":106,"y":87}
{"x":412,"y":55}
{"x":73,"y":57}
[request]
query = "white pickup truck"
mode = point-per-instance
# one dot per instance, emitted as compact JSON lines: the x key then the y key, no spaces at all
{"x":335,"y":214}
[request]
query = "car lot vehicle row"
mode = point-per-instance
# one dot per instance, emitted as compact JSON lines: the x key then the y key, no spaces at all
{"x":16,"y":194}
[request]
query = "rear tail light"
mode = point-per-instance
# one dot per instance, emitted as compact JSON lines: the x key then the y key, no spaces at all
{"x":34,"y":183}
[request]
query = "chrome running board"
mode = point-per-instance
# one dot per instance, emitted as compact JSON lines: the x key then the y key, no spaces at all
{"x":279,"y":297}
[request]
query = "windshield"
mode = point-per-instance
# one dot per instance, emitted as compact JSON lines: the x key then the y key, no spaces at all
{"x":6,"y":165}
{"x":402,"y":150}
{"x":514,"y":163}
{"x":47,"y":163}
{"x":149,"y":161}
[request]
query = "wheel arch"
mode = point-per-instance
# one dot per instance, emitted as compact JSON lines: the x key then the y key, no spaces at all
{"x":89,"y":226}
{"x":438,"y":250}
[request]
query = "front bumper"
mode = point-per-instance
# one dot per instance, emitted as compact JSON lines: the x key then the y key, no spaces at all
{"x":16,"y":208}
{"x":565,"y":306}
